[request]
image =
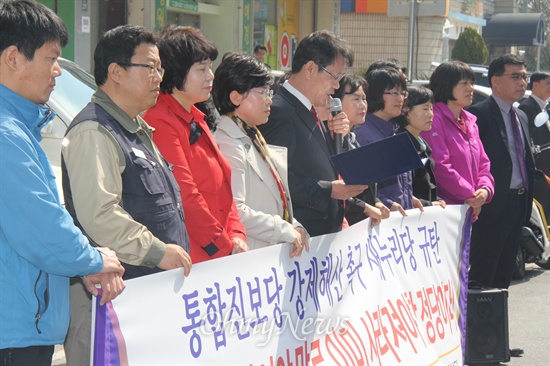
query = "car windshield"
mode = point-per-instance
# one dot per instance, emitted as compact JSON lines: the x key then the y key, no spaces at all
{"x":73,"y":90}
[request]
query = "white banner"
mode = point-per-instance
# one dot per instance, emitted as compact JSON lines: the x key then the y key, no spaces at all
{"x":392,"y":295}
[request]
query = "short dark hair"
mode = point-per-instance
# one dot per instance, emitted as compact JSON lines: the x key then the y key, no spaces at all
{"x":118,"y":45}
{"x":180,"y":48}
{"x":417,"y":95}
{"x":323,"y":48}
{"x":379,"y":81}
{"x":241,"y":73}
{"x":28,"y":25}
{"x":446,"y":76}
{"x":536,"y":77}
{"x":387,"y":62}
{"x":351,"y":80}
{"x":498,"y":65}
{"x":260,"y":47}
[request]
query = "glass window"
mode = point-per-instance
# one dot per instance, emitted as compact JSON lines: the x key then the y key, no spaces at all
{"x":265,"y":12}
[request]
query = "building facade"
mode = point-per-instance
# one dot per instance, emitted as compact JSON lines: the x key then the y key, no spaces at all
{"x":233,"y":25}
{"x":379,"y":29}
{"x":375,"y":28}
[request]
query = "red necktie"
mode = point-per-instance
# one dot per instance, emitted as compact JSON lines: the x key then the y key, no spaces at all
{"x":314,"y":112}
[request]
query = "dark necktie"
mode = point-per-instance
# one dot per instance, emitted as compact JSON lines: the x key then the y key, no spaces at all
{"x":518,"y":141}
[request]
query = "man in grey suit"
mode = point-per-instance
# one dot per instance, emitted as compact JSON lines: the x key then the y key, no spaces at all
{"x":317,"y":193}
{"x":496,"y":235}
{"x":503,"y":130}
{"x":536,"y":103}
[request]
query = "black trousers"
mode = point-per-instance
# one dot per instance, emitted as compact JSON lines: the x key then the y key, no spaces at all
{"x":35,"y":356}
{"x":494,"y":244}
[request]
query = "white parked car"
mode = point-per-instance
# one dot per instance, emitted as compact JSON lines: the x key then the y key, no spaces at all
{"x":480,"y":73}
{"x":73,"y":90}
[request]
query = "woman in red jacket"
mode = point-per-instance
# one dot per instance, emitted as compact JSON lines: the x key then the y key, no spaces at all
{"x":184,"y":139}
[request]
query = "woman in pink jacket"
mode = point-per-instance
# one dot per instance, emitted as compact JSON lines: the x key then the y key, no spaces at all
{"x":462,"y":169}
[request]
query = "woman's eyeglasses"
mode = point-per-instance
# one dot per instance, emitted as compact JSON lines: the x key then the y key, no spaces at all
{"x":267,"y":93}
{"x":397,"y":94}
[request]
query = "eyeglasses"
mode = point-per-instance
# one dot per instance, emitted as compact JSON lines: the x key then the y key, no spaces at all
{"x":151,"y":68}
{"x":397,"y":94}
{"x":337,"y":78}
{"x":516,"y":76}
{"x":267,"y":93}
{"x":195,"y":133}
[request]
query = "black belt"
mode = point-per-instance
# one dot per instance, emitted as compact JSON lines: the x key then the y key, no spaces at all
{"x":517,"y":191}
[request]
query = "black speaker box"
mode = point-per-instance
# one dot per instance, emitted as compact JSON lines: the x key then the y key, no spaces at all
{"x":487,"y":326}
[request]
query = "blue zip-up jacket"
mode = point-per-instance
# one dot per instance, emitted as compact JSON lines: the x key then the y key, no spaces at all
{"x":40,"y":248}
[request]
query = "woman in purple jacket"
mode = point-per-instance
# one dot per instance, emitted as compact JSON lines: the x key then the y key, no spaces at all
{"x":386,"y":94}
{"x":462,"y":169}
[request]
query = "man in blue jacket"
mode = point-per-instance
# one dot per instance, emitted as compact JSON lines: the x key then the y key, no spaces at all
{"x":40,"y":248}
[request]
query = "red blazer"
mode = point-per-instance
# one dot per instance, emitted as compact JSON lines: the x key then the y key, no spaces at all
{"x":204,"y":177}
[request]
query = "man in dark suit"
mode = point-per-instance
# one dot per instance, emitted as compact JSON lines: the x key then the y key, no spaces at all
{"x":503,"y":129}
{"x":536,"y":103}
{"x":317,"y":193}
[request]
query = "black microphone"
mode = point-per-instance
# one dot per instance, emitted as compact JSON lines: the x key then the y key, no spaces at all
{"x":335,"y":108}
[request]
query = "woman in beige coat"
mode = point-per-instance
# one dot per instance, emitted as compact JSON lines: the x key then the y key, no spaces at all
{"x":242,"y":94}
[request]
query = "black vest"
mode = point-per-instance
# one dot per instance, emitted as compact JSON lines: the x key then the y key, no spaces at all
{"x":150,"y":193}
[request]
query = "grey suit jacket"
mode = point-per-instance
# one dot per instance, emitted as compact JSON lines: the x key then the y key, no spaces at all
{"x":492,"y":132}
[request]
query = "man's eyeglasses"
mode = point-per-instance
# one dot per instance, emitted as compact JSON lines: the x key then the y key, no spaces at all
{"x":516,"y":76}
{"x":335,"y":77}
{"x":195,"y":133}
{"x":267,"y":93}
{"x":151,"y":68}
{"x":397,"y":94}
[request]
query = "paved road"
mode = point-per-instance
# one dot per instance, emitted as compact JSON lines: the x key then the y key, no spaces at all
{"x":528,"y":316}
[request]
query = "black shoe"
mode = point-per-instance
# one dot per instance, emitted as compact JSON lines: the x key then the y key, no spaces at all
{"x":516,"y":352}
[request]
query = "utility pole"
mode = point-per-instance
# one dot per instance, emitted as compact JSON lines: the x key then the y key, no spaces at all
{"x":412,"y":28}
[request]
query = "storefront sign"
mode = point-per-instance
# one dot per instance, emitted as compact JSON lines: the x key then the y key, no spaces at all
{"x":184,"y":5}
{"x":247,"y":16}
{"x":289,"y":27}
{"x":160,"y":13}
